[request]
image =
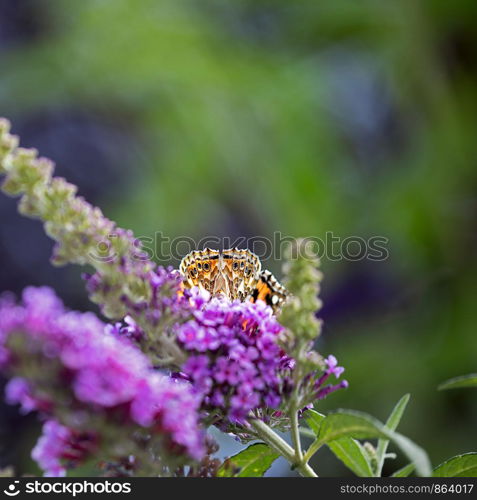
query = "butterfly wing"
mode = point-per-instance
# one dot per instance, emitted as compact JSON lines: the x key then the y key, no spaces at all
{"x":200,"y":268}
{"x":242,"y":268}
{"x":234,"y":273}
{"x":270,"y":291}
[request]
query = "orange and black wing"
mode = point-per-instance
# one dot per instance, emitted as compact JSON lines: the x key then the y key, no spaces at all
{"x":270,"y":291}
{"x":200,"y":268}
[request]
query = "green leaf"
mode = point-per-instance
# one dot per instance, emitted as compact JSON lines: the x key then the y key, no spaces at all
{"x":458,"y":382}
{"x":314,"y":420}
{"x":348,"y":450}
{"x":353,"y":455}
{"x":404,"y":472}
{"x":397,"y":413}
{"x":348,"y":423}
{"x":304,"y":431}
{"x":459,"y":466}
{"x":254,"y":461}
{"x":391,"y":423}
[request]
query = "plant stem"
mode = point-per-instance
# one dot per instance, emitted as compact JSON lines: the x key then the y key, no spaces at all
{"x":314,"y":447}
{"x":295,"y":434}
{"x":281,"y":446}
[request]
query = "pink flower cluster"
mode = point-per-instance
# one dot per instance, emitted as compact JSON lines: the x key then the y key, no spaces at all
{"x":59,"y":445}
{"x":99,"y":369}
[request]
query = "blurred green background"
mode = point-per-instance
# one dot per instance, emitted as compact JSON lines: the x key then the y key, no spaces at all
{"x":247,"y":117}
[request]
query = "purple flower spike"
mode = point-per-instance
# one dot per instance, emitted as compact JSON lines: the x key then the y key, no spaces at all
{"x":234,"y":360}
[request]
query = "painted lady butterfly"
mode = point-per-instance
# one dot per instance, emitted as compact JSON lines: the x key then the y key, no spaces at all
{"x":234,"y":273}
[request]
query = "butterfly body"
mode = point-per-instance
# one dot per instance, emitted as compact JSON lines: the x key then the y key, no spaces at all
{"x":233,"y":273}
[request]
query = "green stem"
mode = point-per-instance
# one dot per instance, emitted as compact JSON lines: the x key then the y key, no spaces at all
{"x":381,"y":454}
{"x":295,"y":434}
{"x":281,"y":446}
{"x":314,"y":447}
